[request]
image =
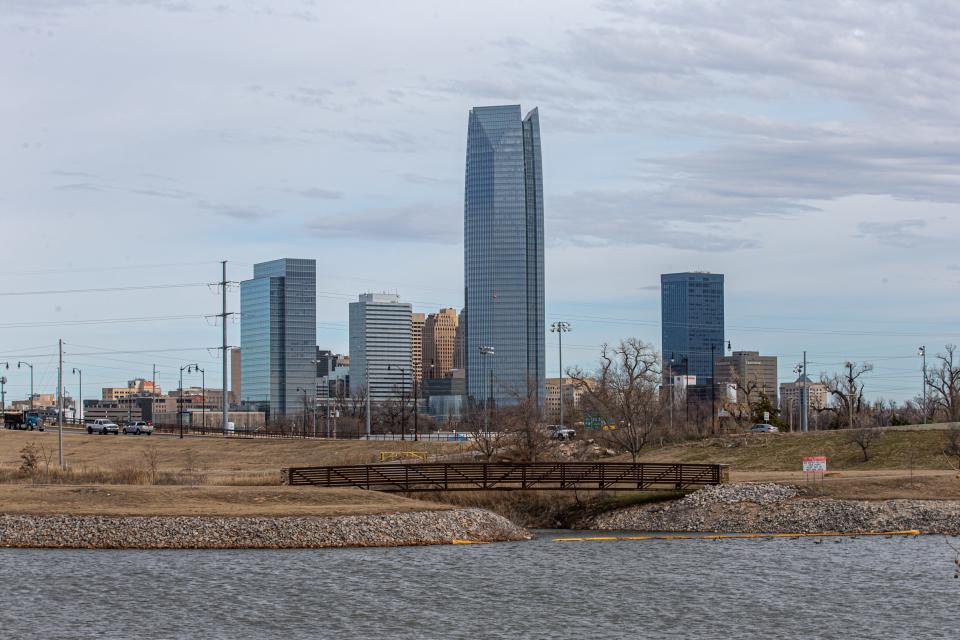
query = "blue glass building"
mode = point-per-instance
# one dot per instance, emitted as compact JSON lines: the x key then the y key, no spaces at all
{"x":503,"y":255}
{"x":278,"y":336}
{"x":692,"y":323}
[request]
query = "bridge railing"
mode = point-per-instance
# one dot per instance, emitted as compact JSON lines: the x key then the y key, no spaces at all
{"x":493,"y":476}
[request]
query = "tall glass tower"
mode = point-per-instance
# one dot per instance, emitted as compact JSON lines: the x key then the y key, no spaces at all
{"x":692,"y":323}
{"x":503,"y":256}
{"x":278,"y":336}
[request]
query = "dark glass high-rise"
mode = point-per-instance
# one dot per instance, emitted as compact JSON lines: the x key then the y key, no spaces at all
{"x":503,"y":256}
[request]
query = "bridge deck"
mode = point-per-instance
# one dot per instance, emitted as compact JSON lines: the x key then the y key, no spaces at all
{"x":480,"y":476}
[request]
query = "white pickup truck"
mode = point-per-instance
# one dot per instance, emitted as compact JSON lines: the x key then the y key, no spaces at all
{"x":102,"y":426}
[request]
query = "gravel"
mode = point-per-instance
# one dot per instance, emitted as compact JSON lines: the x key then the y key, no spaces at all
{"x":775,"y":508}
{"x":165,"y":532}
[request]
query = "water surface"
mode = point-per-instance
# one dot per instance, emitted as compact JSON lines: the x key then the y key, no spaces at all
{"x":762,"y":589}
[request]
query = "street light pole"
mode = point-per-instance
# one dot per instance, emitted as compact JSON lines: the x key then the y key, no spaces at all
{"x":403,"y":399}
{"x":560,"y":328}
{"x":31,"y":381}
{"x":203,"y":397}
{"x":189,"y":368}
{"x":79,"y":373}
{"x":487,"y":351}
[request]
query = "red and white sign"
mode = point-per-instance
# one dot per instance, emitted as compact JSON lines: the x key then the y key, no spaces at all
{"x":815,"y":464}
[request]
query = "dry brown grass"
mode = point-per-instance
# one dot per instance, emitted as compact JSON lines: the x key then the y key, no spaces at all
{"x":897,"y":449}
{"x":156,"y":460}
{"x":133,"y":500}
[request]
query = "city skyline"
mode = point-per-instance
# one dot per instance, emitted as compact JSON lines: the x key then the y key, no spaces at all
{"x":780,"y":175}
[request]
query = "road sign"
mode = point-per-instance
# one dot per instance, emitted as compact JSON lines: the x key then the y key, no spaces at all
{"x":815,"y":464}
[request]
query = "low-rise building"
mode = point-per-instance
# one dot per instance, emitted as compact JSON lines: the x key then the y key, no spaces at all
{"x":790,"y":398}
{"x":572,"y":393}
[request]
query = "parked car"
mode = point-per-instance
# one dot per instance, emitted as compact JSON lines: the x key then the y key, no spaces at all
{"x":561,"y":433}
{"x":764,"y":428}
{"x":102,"y":426}
{"x":137,"y":427}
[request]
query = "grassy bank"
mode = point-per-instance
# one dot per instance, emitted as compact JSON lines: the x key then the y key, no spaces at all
{"x":896,"y":450}
{"x":207,"y":461}
{"x":138,"y":500}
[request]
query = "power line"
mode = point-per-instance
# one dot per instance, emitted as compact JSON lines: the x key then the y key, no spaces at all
{"x":148,"y":287}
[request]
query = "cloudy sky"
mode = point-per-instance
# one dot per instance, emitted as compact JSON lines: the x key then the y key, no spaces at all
{"x":808,"y":151}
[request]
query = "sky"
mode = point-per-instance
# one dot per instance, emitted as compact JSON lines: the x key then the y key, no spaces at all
{"x":808,"y":151}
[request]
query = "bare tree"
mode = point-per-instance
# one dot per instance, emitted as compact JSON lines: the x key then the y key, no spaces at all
{"x":847,"y":390}
{"x":486,"y":442}
{"x":523,"y":421}
{"x":943,"y":379}
{"x":951,"y":447}
{"x":624,"y":392}
{"x":864,"y":437}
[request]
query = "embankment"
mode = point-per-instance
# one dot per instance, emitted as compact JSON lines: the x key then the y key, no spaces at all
{"x":775,"y":508}
{"x":188,"y":532}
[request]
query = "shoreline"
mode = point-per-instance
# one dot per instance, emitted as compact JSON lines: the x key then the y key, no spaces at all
{"x":775,"y":509}
{"x":413,"y":528}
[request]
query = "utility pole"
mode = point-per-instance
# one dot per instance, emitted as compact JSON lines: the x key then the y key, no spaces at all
{"x":923,"y":354}
{"x":850,"y":391}
{"x":560,"y":328}
{"x":223,"y":318}
{"x":671,"y":378}
{"x":416,"y":411}
{"x":368,"y":406}
{"x":713,"y":388}
{"x":804,"y":397}
{"x":59,"y":401}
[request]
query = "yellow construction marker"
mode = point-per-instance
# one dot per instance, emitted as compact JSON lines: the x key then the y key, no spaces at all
{"x":743,"y":536}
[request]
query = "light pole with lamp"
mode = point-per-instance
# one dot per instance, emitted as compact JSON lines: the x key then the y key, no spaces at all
{"x":203,"y":396}
{"x":3,"y":391}
{"x":560,"y":328}
{"x":488,"y":351}
{"x":31,"y":381}
{"x":314,"y":414}
{"x":403,"y":399}
{"x":189,"y":368}
{"x":79,"y":412}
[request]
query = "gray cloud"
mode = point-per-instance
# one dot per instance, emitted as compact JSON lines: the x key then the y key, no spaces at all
{"x":316,"y":193}
{"x":417,"y":222}
{"x":250,"y":213}
{"x":899,"y":233}
{"x":416,"y":178}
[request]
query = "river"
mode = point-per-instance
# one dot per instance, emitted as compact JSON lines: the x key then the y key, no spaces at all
{"x":731,"y":589}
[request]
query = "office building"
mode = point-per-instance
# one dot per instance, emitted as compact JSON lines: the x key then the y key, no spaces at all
{"x":751,"y":374}
{"x":278,"y":336}
{"x":439,"y":336}
{"x":692,"y":324}
{"x":791,"y":403}
{"x":572,"y":393}
{"x":417,"y":321}
{"x":503,"y":255}
{"x":460,"y":341}
{"x":235,"y":377}
{"x":380,"y":346}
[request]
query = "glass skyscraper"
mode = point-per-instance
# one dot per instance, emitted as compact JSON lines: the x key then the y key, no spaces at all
{"x":503,"y":255}
{"x":692,"y":323}
{"x":278,"y":335}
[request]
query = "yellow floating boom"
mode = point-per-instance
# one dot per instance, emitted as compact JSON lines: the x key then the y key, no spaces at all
{"x":742,"y":536}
